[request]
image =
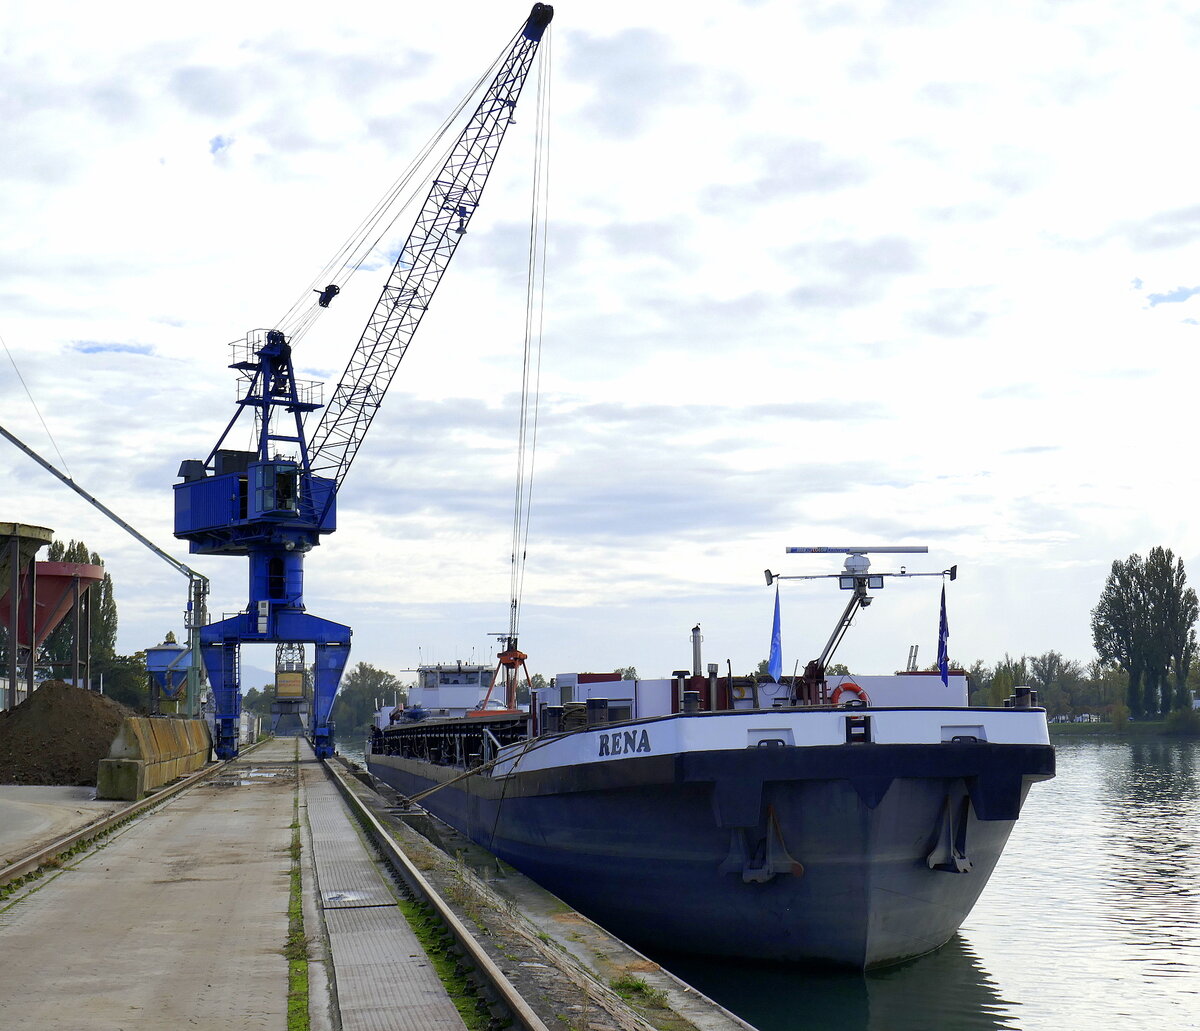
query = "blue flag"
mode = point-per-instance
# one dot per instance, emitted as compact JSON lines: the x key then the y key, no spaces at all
{"x":943,"y":642}
{"x":775,"y":662}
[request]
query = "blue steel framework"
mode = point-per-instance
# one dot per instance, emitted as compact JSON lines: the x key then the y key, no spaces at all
{"x":274,"y":509}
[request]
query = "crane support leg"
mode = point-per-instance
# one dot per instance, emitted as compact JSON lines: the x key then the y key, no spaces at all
{"x":330,"y":661}
{"x":221,"y":645}
{"x":332,"y":642}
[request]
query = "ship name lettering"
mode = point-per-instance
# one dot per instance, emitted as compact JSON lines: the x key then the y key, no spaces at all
{"x":624,"y":742}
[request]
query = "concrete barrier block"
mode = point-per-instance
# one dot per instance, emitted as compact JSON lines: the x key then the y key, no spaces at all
{"x":130,"y":742}
{"x":123,"y":779}
{"x":166,"y":748}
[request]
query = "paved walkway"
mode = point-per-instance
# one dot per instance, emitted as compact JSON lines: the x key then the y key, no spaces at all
{"x":32,"y":817}
{"x":179,"y":919}
{"x":384,"y":980}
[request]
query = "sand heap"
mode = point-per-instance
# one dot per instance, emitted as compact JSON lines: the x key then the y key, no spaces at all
{"x":58,"y":735}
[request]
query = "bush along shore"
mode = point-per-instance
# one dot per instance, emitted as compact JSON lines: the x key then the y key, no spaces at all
{"x":1181,"y":723}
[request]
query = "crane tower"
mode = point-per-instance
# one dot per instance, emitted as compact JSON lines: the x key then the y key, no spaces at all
{"x":274,"y":504}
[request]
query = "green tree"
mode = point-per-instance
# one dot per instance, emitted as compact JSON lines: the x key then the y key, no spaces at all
{"x":1054,"y":677}
{"x":1009,"y":673}
{"x":1145,"y":622}
{"x":979,"y":682}
{"x":1120,"y":626}
{"x":124,"y":679}
{"x":1101,"y":688}
{"x":627,"y":672}
{"x":363,"y":690}
{"x":1179,"y":610}
{"x":257,"y":702}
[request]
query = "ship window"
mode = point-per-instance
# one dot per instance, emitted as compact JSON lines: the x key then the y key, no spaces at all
{"x":620,"y":709}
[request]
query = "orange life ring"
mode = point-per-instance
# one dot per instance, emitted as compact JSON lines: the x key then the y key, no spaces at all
{"x":847,"y":686}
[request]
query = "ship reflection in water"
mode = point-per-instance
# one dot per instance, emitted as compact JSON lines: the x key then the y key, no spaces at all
{"x":948,"y":990}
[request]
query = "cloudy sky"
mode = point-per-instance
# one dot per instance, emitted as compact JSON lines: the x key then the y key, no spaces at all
{"x":819,"y":274}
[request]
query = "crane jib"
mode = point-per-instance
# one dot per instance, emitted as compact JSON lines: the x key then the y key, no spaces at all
{"x":452,"y":200}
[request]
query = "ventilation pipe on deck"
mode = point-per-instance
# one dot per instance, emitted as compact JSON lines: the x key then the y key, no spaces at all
{"x":697,"y":668}
{"x":680,"y":676}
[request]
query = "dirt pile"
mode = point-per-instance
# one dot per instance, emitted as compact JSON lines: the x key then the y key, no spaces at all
{"x":58,"y":735}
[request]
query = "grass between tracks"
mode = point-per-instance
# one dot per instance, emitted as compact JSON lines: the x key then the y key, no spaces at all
{"x":439,"y":947}
{"x":295,"y":951}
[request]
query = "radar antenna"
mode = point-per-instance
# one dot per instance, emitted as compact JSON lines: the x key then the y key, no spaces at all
{"x":856,"y":577}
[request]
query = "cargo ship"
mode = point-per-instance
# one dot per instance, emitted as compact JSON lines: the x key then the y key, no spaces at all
{"x":835,"y":819}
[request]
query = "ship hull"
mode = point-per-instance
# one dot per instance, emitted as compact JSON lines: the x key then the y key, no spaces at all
{"x":858,"y":855}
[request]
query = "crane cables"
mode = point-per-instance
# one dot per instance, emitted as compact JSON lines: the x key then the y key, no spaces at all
{"x":29,"y":394}
{"x":535,"y":295}
{"x":354,"y":252}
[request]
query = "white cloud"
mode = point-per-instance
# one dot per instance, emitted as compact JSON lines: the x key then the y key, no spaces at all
{"x":818,"y":274}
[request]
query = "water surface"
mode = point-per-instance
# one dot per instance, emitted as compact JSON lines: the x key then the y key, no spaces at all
{"x":1091,"y":919}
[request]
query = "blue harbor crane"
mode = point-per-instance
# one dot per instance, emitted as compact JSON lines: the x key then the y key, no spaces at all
{"x":274,"y":503}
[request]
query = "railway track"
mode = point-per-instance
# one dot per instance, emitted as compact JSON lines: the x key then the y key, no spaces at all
{"x":47,"y":856}
{"x":494,"y":982}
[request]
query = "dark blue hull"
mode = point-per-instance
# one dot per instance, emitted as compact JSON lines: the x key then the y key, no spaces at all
{"x":861,"y":856}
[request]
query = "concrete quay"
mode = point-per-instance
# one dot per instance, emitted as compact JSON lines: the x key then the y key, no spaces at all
{"x":181,"y":917}
{"x":189,"y":916}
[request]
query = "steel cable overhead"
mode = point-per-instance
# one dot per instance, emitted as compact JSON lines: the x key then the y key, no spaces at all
{"x":535,"y":293}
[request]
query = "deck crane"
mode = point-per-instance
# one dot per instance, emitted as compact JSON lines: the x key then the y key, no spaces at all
{"x":275,"y":508}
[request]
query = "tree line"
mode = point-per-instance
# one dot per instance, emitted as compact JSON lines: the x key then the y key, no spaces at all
{"x":1144,"y":632}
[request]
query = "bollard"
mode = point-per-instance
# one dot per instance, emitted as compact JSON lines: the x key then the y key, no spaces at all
{"x":552,"y":719}
{"x":597,"y":711}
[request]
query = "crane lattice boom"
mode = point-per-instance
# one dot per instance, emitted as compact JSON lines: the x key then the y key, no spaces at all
{"x":443,"y":220}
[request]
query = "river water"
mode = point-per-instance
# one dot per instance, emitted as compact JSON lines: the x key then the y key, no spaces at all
{"x":1091,"y":919}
